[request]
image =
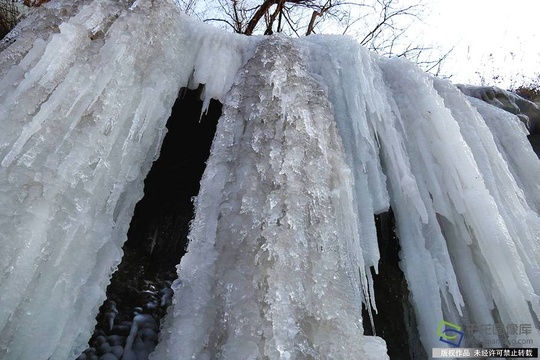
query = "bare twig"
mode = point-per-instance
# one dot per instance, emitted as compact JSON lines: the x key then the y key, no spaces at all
{"x":380,"y":25}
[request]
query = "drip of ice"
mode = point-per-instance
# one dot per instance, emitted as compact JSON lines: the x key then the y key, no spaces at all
{"x":83,"y":114}
{"x":317,"y":136}
{"x":283,"y":271}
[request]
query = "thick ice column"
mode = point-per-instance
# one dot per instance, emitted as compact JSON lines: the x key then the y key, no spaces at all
{"x":82,"y":117}
{"x":377,"y":114}
{"x":344,"y":70}
{"x":373,"y":133}
{"x":272,"y":267}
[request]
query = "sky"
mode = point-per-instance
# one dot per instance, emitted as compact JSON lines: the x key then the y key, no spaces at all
{"x":490,"y":38}
{"x":494,"y":42}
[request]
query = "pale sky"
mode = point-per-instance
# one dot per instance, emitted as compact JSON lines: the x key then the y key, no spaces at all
{"x":492,"y":37}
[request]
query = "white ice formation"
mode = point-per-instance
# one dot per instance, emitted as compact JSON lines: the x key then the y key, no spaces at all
{"x":317,"y":136}
{"x":526,"y":110}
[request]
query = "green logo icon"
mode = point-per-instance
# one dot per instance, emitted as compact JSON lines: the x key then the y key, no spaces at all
{"x":450,"y":333}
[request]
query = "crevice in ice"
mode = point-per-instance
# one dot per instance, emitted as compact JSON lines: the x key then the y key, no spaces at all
{"x":158,"y":231}
{"x":534,"y":139}
{"x":160,"y":223}
{"x":392,"y":318}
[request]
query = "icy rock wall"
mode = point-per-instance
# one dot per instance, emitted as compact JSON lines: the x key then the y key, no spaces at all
{"x":469,"y":249}
{"x":83,"y":107}
{"x":527,"y":111}
{"x":463,"y":198}
{"x":284,"y":239}
{"x":463,"y":187}
{"x":274,"y":268}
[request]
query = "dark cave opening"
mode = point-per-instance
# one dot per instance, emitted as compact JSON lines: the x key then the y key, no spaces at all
{"x":534,"y":139}
{"x":158,"y":231}
{"x":160,"y":224}
{"x":394,"y":319}
{"x":157,"y":237}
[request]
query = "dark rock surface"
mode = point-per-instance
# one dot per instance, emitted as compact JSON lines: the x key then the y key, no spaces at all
{"x":519,"y":104}
{"x":526,"y":110}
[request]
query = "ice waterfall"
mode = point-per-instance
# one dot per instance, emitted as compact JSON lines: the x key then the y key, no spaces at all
{"x":317,"y":135}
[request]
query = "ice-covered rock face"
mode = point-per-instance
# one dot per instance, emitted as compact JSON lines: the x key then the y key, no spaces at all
{"x":83,"y":112}
{"x":527,"y":111}
{"x":317,"y":136}
{"x":272,"y":268}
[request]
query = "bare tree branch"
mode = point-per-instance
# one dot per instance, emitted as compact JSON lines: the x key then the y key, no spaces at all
{"x":380,"y":25}
{"x":220,"y":20}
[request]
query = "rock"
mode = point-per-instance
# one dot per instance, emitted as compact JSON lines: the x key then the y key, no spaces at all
{"x":148,"y":334}
{"x":117,"y":350}
{"x":129,"y":354}
{"x":108,"y":356}
{"x":122,"y":329}
{"x":91,"y":354}
{"x":104,"y":348}
{"x":114,"y":340}
{"x":527,"y":111}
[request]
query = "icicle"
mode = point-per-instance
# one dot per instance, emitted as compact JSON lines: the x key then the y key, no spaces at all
{"x":272,"y":265}
{"x":317,"y":136}
{"x":70,"y":187}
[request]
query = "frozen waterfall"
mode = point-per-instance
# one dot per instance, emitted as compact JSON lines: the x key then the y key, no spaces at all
{"x":317,"y":136}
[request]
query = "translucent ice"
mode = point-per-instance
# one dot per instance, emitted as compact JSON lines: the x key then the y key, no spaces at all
{"x":317,"y":136}
{"x":274,"y":260}
{"x":83,"y":113}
